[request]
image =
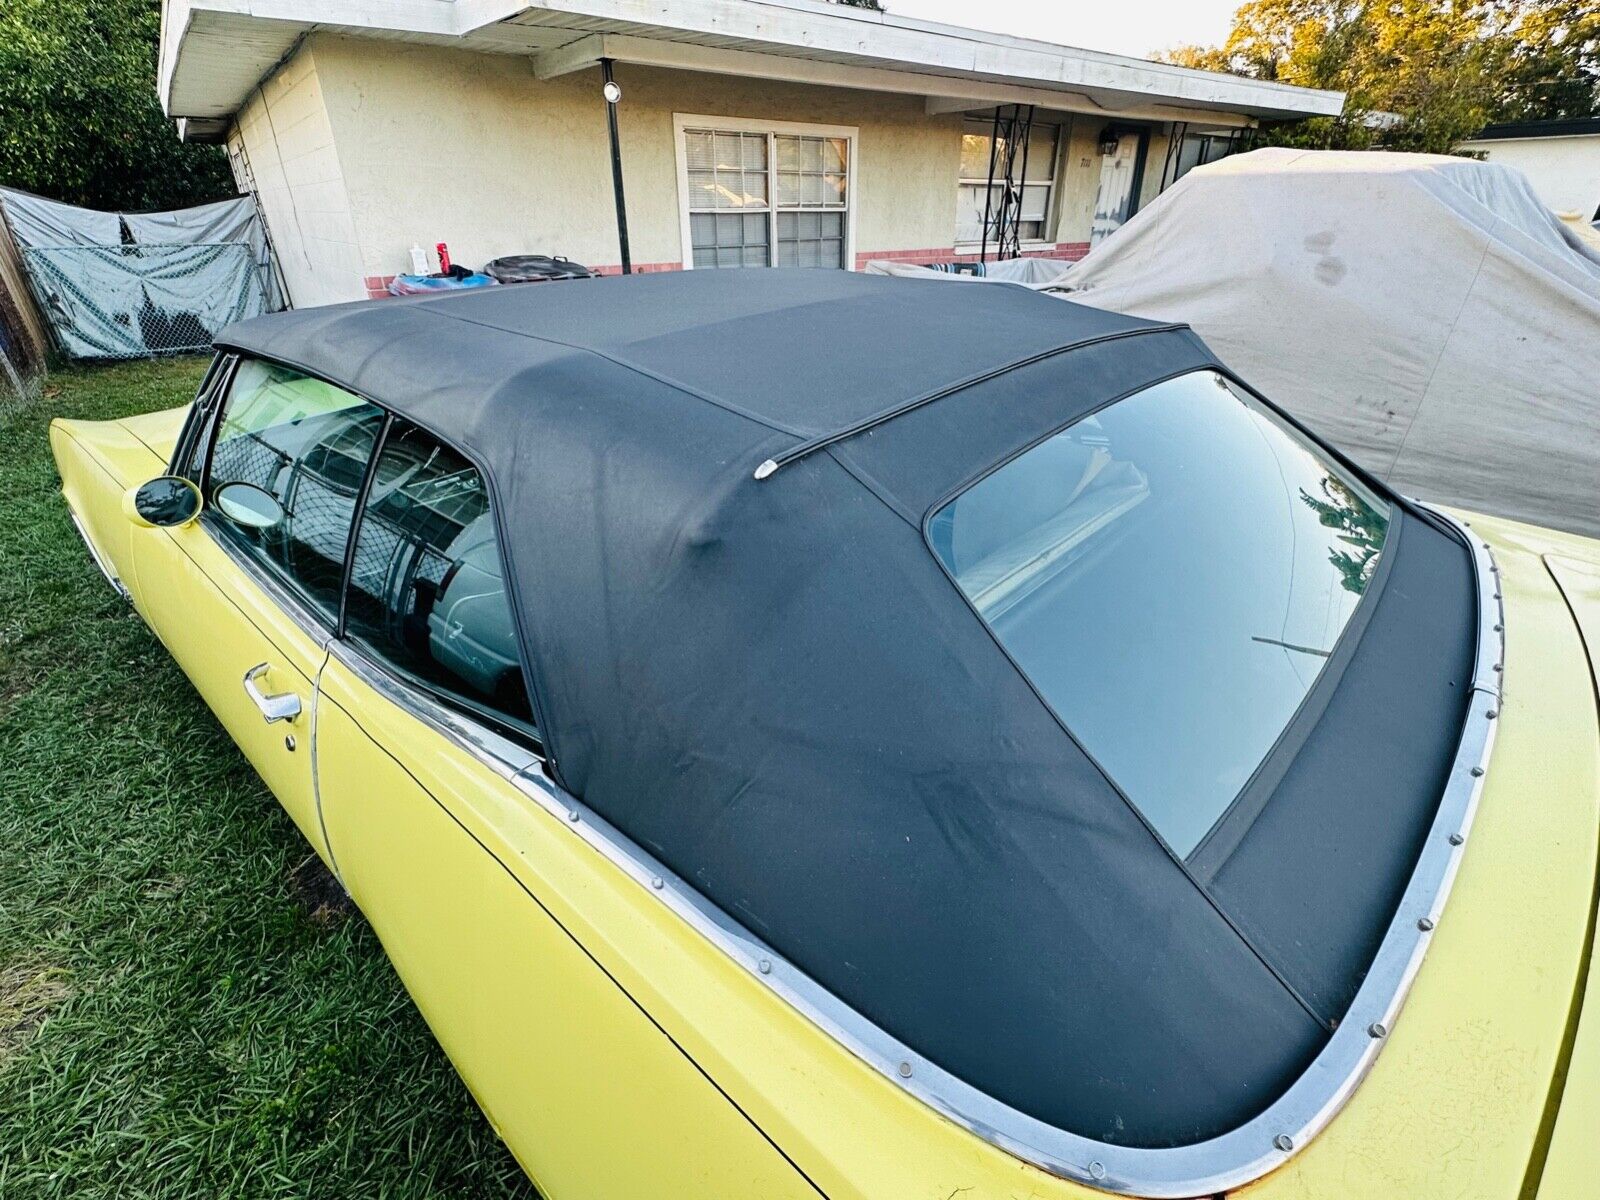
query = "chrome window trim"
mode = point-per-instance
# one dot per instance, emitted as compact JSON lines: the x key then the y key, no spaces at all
{"x":1217,"y":1165}
{"x":503,"y":755}
{"x":316,"y":625}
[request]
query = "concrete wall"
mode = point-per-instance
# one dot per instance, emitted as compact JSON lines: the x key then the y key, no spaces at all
{"x":285,"y":135}
{"x":361,"y":149}
{"x":1565,"y":171}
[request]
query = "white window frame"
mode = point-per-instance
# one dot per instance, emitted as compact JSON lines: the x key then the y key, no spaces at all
{"x":1049,"y":224}
{"x":682,"y":122}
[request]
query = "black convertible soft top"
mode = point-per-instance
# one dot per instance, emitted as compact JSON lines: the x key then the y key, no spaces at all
{"x":773,"y":686}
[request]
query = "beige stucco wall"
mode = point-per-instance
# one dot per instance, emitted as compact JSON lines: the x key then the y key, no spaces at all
{"x":471,"y":149}
{"x":362,"y":148}
{"x":286,"y":137}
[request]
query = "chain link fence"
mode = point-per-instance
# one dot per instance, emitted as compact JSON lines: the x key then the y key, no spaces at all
{"x":136,"y":301}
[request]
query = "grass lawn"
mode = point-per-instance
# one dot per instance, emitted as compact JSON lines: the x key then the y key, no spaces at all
{"x":183,"y":1012}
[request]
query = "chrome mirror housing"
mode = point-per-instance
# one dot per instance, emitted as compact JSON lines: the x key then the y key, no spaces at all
{"x":248,"y":505}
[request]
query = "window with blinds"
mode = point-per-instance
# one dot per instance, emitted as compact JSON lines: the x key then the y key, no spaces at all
{"x":760,"y":199}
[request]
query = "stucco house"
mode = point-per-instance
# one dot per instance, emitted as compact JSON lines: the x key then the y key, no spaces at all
{"x":750,"y":132}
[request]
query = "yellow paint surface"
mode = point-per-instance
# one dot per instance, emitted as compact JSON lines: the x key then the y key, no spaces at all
{"x":1572,"y":1170}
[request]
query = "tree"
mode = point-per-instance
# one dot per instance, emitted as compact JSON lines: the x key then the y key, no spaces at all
{"x":1417,"y":74}
{"x":1552,"y":61}
{"x":79,"y":117}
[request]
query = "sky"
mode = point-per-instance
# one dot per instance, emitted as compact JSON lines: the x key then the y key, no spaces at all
{"x":1135,"y":27}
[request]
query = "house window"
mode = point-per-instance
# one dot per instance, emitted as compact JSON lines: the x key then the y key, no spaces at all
{"x":1037,"y":175}
{"x":1188,"y":149}
{"x":763,"y":194}
{"x":1201,"y":148}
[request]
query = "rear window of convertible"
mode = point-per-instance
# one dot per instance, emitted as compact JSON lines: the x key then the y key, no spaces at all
{"x":1171,"y":574}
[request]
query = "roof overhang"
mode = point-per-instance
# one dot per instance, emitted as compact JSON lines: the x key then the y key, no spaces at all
{"x":215,"y":52}
{"x":1533,"y":130}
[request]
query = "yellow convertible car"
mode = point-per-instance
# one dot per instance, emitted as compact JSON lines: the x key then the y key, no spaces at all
{"x":802,"y":733}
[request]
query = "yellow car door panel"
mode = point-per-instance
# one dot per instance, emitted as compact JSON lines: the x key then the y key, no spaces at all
{"x":591,"y":1097}
{"x":221,"y":621}
{"x":247,"y":597}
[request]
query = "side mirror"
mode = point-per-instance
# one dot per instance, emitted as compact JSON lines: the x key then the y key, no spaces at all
{"x":164,"y":502}
{"x":248,"y":505}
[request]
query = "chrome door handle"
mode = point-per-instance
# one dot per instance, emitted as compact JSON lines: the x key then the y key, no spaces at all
{"x":284,"y":706}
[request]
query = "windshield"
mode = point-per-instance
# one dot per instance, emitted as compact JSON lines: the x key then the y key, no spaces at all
{"x":1172,"y":575}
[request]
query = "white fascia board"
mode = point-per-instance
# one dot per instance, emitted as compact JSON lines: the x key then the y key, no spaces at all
{"x":803,"y":30}
{"x":181,"y":19}
{"x":801,"y":26}
{"x":943,"y":93}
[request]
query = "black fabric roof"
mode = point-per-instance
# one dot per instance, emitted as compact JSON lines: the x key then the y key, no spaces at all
{"x":820,"y":352}
{"x":773,"y":686}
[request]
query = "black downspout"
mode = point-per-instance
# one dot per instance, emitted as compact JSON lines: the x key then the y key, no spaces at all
{"x":612,"y":95}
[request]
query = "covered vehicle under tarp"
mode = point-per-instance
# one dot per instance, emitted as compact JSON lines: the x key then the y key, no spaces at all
{"x":1426,"y":314}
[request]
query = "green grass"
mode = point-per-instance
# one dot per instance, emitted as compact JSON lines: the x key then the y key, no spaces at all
{"x":181,"y":1012}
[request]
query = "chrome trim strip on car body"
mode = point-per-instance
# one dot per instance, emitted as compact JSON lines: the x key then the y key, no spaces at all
{"x":505,"y":757}
{"x":99,"y":559}
{"x":1204,"y":1168}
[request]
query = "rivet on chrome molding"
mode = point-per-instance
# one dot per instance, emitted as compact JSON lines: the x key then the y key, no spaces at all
{"x":1477,"y":771}
{"x":572,"y":815}
{"x":1491,"y":714}
{"x":657,"y":882}
{"x":1456,"y":839}
{"x":905,"y":1070}
{"x":1376,"y":1029}
{"x":1499,"y":628}
{"x":1283,"y":1142}
{"x":1097,"y":1170}
{"x":1425,"y":924}
{"x":765,"y":966}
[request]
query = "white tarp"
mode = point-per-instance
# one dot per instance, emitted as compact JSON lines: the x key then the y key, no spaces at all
{"x":1426,"y":314}
{"x":36,"y":221}
{"x":182,"y":276}
{"x":1033,"y":272}
{"x":222,"y":223}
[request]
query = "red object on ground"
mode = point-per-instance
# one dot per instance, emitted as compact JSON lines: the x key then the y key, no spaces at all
{"x":444,"y":258}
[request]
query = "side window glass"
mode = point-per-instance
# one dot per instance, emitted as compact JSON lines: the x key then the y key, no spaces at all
{"x":426,"y":589}
{"x":300,"y":447}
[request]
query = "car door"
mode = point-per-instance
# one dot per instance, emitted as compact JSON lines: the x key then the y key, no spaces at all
{"x":247,"y":609}
{"x":423,"y":728}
